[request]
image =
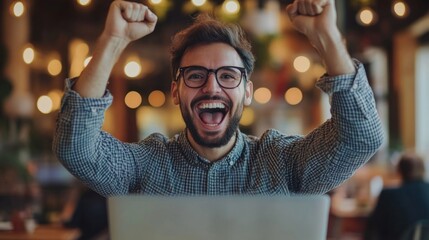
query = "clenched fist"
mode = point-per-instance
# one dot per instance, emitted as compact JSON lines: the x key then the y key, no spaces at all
{"x":129,"y":21}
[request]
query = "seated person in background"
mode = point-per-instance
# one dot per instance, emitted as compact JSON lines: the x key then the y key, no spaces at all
{"x":399,"y":208}
{"x":90,"y":216}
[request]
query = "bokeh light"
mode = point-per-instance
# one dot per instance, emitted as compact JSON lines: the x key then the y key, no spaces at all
{"x":231,"y":6}
{"x":54,"y":67}
{"x":17,"y":9}
{"x":366,"y":16}
{"x":156,"y":98}
{"x":248,"y":117}
{"x":293,"y":96}
{"x":133,"y":99}
{"x":198,"y":3}
{"x":301,"y":64}
{"x":262,"y":95}
{"x":132,"y":69}
{"x":28,"y":55}
{"x":44,"y":104}
{"x":400,"y":9}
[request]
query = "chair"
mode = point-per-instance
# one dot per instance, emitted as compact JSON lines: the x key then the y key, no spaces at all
{"x":417,"y":231}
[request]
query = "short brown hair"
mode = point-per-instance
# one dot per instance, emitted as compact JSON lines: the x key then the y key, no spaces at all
{"x":207,"y":30}
{"x":411,"y":167}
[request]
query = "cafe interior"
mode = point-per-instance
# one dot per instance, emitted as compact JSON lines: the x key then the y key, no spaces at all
{"x":43,"y":42}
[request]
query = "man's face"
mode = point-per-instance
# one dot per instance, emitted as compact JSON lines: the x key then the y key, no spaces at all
{"x":211,"y":113}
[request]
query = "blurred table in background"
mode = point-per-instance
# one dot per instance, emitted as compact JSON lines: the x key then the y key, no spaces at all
{"x":45,"y":232}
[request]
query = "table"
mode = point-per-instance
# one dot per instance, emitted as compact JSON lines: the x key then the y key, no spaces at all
{"x":45,"y":232}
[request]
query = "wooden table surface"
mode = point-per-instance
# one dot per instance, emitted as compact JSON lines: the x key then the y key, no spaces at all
{"x":42,"y":232}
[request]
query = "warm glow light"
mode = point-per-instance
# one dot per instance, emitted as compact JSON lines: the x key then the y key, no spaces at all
{"x":231,"y":6}
{"x":132,"y":69}
{"x":156,"y":98}
{"x":301,"y":64}
{"x":155,"y":1}
{"x":262,"y":95}
{"x":82,"y":47}
{"x":54,"y":67}
{"x":248,"y":117}
{"x":84,"y":2}
{"x":55,"y":96}
{"x":78,"y":51}
{"x":86,"y":61}
{"x":44,"y":104}
{"x":400,"y":9}
{"x":17,"y":8}
{"x":293,"y":96}
{"x":133,"y":99}
{"x":28,"y":55}
{"x":366,"y":16}
{"x":198,"y":3}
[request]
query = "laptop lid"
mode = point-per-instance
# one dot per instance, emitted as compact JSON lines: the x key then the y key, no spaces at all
{"x":218,"y":217}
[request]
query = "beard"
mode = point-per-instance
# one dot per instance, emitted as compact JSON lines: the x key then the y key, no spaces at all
{"x":217,"y":142}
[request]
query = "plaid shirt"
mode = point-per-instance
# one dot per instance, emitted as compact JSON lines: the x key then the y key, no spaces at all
{"x":274,"y":163}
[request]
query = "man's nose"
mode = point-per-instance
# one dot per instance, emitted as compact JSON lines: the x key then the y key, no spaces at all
{"x":211,"y":85}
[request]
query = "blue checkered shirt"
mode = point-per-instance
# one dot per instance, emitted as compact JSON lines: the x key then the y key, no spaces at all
{"x":273,"y":163}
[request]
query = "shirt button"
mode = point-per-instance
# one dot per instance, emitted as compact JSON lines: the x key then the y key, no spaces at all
{"x":231,"y":163}
{"x":355,"y":86}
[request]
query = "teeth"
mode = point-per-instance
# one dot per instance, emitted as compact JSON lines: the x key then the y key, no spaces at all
{"x":212,"y":105}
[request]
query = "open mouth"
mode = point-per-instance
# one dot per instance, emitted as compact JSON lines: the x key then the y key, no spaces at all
{"x":212,"y":114}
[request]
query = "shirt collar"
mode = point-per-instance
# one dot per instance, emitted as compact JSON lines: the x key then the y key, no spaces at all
{"x":193,"y":157}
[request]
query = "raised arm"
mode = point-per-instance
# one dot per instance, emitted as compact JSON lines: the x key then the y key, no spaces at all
{"x":331,"y":153}
{"x":317,"y":20}
{"x":126,"y":22}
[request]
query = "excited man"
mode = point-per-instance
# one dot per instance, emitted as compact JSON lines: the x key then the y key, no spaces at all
{"x":211,"y":64}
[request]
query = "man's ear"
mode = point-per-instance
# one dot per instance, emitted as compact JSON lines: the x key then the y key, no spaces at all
{"x":175,"y":92}
{"x":248,"y":93}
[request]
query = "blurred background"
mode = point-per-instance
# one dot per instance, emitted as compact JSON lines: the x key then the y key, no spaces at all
{"x":43,"y":42}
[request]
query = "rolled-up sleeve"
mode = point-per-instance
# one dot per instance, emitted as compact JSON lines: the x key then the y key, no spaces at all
{"x":353,"y":109}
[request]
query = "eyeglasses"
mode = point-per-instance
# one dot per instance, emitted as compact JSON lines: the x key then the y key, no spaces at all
{"x":227,"y":76}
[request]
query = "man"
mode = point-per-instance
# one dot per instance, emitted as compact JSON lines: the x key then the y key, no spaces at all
{"x":399,"y":208}
{"x":211,"y":64}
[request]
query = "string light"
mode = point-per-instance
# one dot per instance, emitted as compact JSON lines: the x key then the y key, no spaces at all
{"x":133,"y":99}
{"x":156,"y":98}
{"x":248,"y":117}
{"x":198,"y":3}
{"x":301,"y":64}
{"x":17,"y":9}
{"x":262,"y":95}
{"x":155,"y":2}
{"x":28,"y":55}
{"x":293,"y":96}
{"x":366,"y":16}
{"x":400,"y":9}
{"x":44,"y":104}
{"x":54,"y":67}
{"x":231,"y":6}
{"x":132,"y":69}
{"x":84,"y":2}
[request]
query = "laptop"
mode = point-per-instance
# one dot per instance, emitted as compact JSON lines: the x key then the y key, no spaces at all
{"x":218,"y":217}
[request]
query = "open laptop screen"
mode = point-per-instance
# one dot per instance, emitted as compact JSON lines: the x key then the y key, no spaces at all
{"x":218,"y":217}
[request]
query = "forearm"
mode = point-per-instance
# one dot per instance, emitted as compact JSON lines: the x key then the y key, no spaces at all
{"x":318,"y":21}
{"x":93,"y":80}
{"x":331,"y":48}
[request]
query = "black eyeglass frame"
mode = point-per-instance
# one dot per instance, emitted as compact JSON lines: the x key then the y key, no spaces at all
{"x":214,"y":71}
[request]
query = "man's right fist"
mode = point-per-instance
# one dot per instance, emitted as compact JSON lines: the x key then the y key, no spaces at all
{"x":129,"y":20}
